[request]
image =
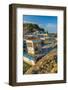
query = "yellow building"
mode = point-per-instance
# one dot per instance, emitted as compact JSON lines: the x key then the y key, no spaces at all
{"x":33,"y":45}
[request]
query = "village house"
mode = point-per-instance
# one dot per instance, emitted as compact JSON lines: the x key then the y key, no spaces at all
{"x":33,"y":45}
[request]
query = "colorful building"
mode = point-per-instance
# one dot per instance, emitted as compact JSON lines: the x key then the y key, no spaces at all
{"x":33,"y":45}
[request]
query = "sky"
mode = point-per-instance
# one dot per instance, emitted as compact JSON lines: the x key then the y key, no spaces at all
{"x":49,"y":23}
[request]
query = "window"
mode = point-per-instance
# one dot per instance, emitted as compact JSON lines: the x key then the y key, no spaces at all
{"x":29,"y":44}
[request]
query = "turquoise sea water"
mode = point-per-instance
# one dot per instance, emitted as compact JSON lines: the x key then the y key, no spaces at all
{"x":28,"y":56}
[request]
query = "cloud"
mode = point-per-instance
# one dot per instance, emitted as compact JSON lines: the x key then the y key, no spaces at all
{"x":51,"y":27}
{"x":29,"y":22}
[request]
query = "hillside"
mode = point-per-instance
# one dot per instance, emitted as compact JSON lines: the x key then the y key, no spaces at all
{"x":29,"y":28}
{"x":48,"y":64}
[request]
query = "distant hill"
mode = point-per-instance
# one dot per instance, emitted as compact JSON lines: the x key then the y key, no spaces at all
{"x":29,"y":28}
